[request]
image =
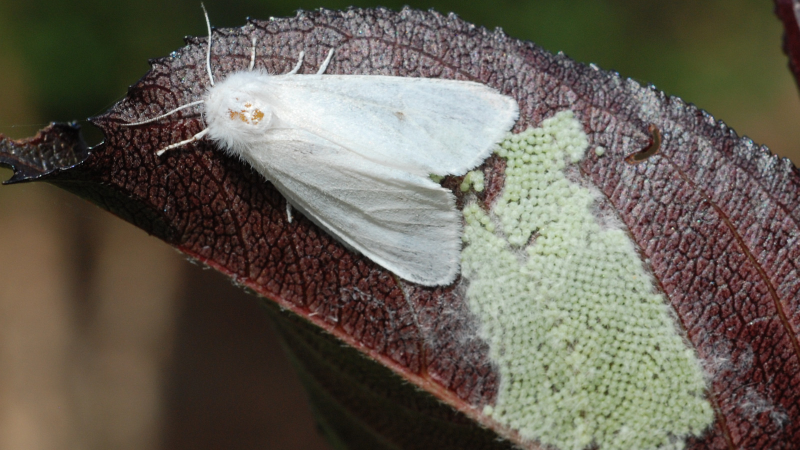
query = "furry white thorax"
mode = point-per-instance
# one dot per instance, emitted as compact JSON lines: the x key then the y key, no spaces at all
{"x":237,"y":111}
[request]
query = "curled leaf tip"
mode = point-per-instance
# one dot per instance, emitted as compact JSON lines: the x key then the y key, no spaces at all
{"x":55,"y":147}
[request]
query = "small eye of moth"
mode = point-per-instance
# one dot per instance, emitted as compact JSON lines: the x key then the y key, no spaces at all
{"x":354,"y":153}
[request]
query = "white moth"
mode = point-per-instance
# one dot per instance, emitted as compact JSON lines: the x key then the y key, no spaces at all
{"x":354,"y":153}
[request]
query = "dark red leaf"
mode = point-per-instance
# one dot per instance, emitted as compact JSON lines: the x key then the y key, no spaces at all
{"x":789,"y":13}
{"x":715,"y":218}
{"x":56,"y":147}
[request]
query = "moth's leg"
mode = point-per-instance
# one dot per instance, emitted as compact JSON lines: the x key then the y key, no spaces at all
{"x":194,"y":138}
{"x":299,"y":63}
{"x":288,"y":211}
{"x":253,"y":55}
{"x":163,"y":115}
{"x":325,"y":63}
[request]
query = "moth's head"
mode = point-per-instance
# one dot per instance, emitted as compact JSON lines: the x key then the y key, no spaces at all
{"x":236,"y":112}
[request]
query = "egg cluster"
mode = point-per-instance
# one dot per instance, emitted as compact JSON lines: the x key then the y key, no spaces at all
{"x":586,"y":346}
{"x":474,"y":179}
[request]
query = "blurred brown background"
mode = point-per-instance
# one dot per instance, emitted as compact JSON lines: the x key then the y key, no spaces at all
{"x":109,"y":339}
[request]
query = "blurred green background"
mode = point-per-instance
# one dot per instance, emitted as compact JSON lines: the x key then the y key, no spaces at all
{"x":109,"y":339}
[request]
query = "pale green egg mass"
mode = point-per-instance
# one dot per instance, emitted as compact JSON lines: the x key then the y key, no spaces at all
{"x":587,"y":348}
{"x":474,"y":179}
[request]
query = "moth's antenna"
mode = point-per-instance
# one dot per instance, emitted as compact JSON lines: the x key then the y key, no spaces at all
{"x":202,"y":133}
{"x":164,"y":115}
{"x":208,"y":54}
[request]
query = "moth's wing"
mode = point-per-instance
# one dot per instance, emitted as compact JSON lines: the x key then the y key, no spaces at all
{"x":417,"y":124}
{"x":401,"y":221}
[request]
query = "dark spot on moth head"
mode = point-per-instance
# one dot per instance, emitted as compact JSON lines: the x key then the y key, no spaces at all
{"x":400,"y":116}
{"x":650,"y":150}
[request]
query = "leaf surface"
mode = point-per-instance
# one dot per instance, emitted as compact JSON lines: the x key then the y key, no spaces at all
{"x":788,"y":12}
{"x":714,"y":217}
